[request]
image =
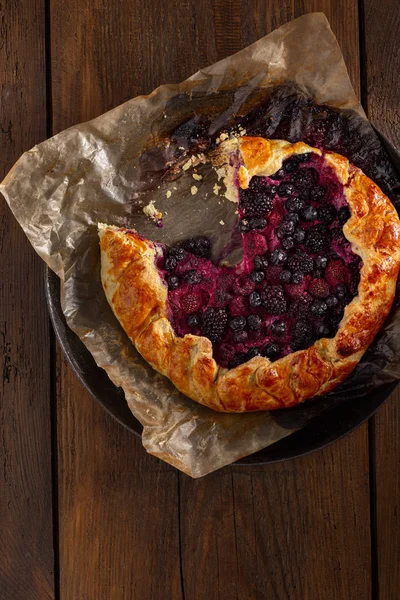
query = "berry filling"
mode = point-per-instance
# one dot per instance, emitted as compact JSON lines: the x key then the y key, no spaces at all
{"x":297,"y":275}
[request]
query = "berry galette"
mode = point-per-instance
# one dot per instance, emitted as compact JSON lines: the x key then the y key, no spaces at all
{"x":294,"y":317}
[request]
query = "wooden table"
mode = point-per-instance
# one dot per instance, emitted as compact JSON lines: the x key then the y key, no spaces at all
{"x":85,"y":513}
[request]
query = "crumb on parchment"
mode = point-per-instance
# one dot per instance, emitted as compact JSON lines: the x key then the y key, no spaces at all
{"x":168,"y":194}
{"x":194,"y":190}
{"x":216,"y":189}
{"x":151,"y":211}
{"x":222,"y":222}
{"x":197,"y":177}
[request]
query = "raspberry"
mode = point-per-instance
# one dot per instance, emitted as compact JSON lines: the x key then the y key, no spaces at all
{"x":327,"y":213}
{"x":319,"y":288}
{"x":300,"y":261}
{"x":272,"y":274}
{"x":222,"y":297}
{"x":214,"y":324}
{"x":336,"y":272}
{"x":274,"y":300}
{"x":191,"y":302}
{"x":237,"y":306}
{"x":243,"y":286}
{"x":318,"y":238}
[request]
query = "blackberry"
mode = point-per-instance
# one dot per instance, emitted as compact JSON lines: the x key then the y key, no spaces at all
{"x":278,"y":328}
{"x":302,"y":335}
{"x":257,"y":276}
{"x":297,"y":277}
{"x":193,"y":321}
{"x":199,"y":246}
{"x":306,"y":178}
{"x":178,"y":253}
{"x":299,"y":236}
{"x":239,"y":359}
{"x":271,"y":351}
{"x":309,"y":213}
{"x":321,"y":262}
{"x":192,"y":277}
{"x":252,"y":353}
{"x":301,"y":307}
{"x":255,"y":299}
{"x":317,"y":193}
{"x":285,"y":276}
{"x":254,"y":322}
{"x":237,"y":323}
{"x":214,"y":324}
{"x":292,"y":216}
{"x":244,"y":226}
{"x":257,"y":184}
{"x":257,"y":205}
{"x":278,"y":257}
{"x":300,"y":261}
{"x":327,"y":213}
{"x":170,"y":263}
{"x":288,"y":242}
{"x":295,"y":204}
{"x":257,"y":223}
{"x":284,"y":229}
{"x":318,"y":238}
{"x":274,"y":300}
{"x":240,"y":337}
{"x":344,"y":215}
{"x":319,"y":308}
{"x":260,"y":262}
{"x":173,"y":282}
{"x":285,"y":189}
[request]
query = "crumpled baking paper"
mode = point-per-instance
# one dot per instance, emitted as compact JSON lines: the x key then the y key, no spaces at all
{"x":108,"y":169}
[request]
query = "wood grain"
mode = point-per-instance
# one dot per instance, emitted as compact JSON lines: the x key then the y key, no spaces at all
{"x":382,"y":61}
{"x":26,"y":547}
{"x":133,"y":526}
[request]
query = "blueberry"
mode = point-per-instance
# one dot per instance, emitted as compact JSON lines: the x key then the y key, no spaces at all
{"x":299,"y":236}
{"x":193,"y":321}
{"x":192,"y":277}
{"x":297,"y":277}
{"x":272,"y":188}
{"x":271,"y":350}
{"x":341,"y":290}
{"x":295,"y":204}
{"x":254,"y":322}
{"x":278,"y":257}
{"x":257,"y":276}
{"x":255,"y":299}
{"x":260,"y":262}
{"x":279,"y":328}
{"x":291,"y":164}
{"x":257,"y":223}
{"x":279,"y":174}
{"x":173,"y":282}
{"x":285,"y":189}
{"x":321,"y":262}
{"x":239,"y":359}
{"x":309,"y":213}
{"x":323,"y":330}
{"x":284,"y":229}
{"x":237,"y":323}
{"x":292,"y":216}
{"x":240,"y":336}
{"x":317,"y":193}
{"x":252,"y":353}
{"x":305,"y":157}
{"x":170,"y":263}
{"x":332,"y":301}
{"x":319,"y":308}
{"x":288,"y":242}
{"x":244,"y":226}
{"x":285,"y":276}
{"x":344,"y":215}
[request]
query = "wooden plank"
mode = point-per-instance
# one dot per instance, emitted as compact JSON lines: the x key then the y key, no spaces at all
{"x":26,"y":548}
{"x":247,"y":533}
{"x":382,"y":59}
{"x":298,"y":530}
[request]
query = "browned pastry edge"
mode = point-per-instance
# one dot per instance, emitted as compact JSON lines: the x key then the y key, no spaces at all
{"x":138,"y":297}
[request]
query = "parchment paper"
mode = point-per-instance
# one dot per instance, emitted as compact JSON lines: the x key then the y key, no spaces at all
{"x":108,"y":169}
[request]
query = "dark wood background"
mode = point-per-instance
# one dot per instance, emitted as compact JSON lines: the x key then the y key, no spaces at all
{"x":85,"y":514}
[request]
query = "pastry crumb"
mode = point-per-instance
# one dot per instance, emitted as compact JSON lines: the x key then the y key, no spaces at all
{"x":197,"y":177}
{"x":194,"y":190}
{"x":216,"y":189}
{"x":236,"y":212}
{"x":168,"y":194}
{"x":151,"y":211}
{"x":222,"y":222}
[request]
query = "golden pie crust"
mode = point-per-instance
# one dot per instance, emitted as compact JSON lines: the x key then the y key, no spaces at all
{"x":138,"y":296}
